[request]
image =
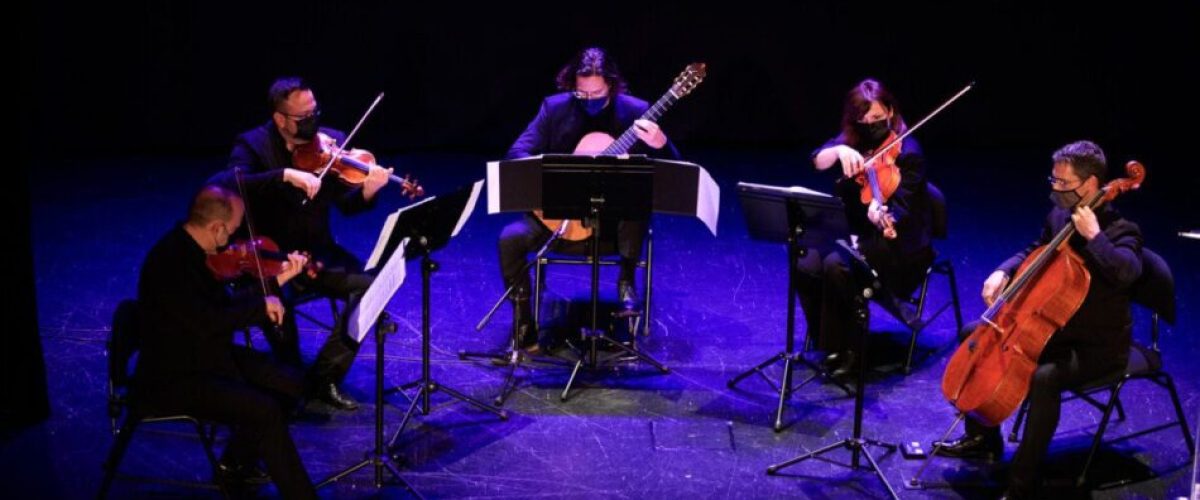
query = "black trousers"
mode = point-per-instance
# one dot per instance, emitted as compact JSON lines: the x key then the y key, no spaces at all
{"x":342,"y":278}
{"x":527,"y":235}
{"x":1060,"y":367}
{"x":826,"y":286}
{"x":254,"y":401}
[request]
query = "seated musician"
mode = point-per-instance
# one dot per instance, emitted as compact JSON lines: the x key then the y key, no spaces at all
{"x":1096,"y":340}
{"x":188,"y":362}
{"x":594,"y":99}
{"x":277,"y":194}
{"x":869,"y":116}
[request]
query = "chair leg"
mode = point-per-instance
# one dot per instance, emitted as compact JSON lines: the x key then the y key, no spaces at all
{"x":1108,"y":409}
{"x":649,"y":284}
{"x":537,"y":295}
{"x":948,"y":268}
{"x":124,"y":436}
{"x":1014,"y":435}
{"x":1183,"y":426}
{"x":912,"y":341}
{"x":1120,"y":409}
{"x":207,"y":437}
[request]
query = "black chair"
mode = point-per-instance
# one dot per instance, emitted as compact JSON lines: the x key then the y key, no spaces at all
{"x":123,"y":343}
{"x":608,"y":257}
{"x":942,"y":266}
{"x":1154,"y":290}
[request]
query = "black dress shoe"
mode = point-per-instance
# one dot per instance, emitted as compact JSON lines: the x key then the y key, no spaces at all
{"x":234,"y":473}
{"x":628,"y":295}
{"x":986,"y":446}
{"x":847,"y":365}
{"x":332,"y":396}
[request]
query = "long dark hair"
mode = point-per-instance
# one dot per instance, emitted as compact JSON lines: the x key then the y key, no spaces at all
{"x":858,"y":102}
{"x":588,"y":62}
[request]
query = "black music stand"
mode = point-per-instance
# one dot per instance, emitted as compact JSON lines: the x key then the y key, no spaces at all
{"x":806,"y":220}
{"x":370,"y":314}
{"x":866,"y":278}
{"x":428,"y":226}
{"x":592,"y":188}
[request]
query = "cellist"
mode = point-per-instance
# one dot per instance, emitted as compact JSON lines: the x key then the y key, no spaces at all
{"x":1095,"y":341}
{"x":870,"y":117}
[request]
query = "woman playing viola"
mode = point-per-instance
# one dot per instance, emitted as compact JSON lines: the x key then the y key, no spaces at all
{"x":870,"y":119}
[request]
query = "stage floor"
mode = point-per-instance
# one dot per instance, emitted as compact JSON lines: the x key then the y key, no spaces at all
{"x":719,"y":308}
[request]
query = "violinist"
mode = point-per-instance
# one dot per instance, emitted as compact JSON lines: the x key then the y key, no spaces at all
{"x":277,"y":193}
{"x":870,"y":117}
{"x":1095,"y":341}
{"x":188,"y":362}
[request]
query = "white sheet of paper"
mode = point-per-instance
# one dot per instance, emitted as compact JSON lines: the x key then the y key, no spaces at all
{"x":708,"y":200}
{"x":462,"y":219}
{"x":493,"y":184}
{"x":378,"y":294}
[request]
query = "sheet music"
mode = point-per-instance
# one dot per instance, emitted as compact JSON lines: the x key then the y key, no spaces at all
{"x":462,"y":219}
{"x":708,"y":200}
{"x":785,"y":190}
{"x":380,"y":292}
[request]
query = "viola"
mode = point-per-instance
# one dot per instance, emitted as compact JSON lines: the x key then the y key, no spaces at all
{"x":239,"y":258}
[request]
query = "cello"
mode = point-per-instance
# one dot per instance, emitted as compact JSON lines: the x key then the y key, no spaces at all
{"x":989,"y":374}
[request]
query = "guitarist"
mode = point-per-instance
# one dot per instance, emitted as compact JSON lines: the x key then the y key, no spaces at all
{"x":593,"y":99}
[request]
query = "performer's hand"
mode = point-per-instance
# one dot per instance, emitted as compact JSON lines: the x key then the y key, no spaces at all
{"x":293,"y":267}
{"x":878,"y":214}
{"x":650,"y":133}
{"x":1085,"y":222}
{"x":852,"y":161}
{"x":303,"y":181}
{"x":376,"y":179}
{"x":993,"y":286}
{"x":275,"y":309}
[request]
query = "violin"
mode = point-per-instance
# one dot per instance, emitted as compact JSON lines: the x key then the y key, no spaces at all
{"x":989,"y":374}
{"x":239,"y":258}
{"x":322,"y":154}
{"x":881,"y":177}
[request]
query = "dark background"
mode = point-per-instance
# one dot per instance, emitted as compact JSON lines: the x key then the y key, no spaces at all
{"x":183,"y":77}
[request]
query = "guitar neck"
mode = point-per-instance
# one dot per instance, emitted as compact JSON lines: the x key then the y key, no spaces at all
{"x":629,"y":137}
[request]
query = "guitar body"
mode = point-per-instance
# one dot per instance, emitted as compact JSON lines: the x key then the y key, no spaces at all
{"x":600,"y":143}
{"x":591,"y":144}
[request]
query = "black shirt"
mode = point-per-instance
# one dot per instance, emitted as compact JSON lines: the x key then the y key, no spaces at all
{"x":187,"y":316}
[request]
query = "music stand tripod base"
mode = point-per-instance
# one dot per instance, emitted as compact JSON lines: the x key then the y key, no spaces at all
{"x":377,"y":457}
{"x":426,"y":383}
{"x":857,"y":444}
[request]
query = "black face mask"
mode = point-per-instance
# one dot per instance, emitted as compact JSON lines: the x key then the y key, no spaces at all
{"x":874,"y":132}
{"x":306,"y":129}
{"x":1066,"y":200}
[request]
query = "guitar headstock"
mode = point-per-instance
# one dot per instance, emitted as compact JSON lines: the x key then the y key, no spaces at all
{"x":687,"y":81}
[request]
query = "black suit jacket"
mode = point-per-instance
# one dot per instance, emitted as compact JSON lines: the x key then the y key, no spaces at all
{"x":561,"y":123}
{"x":275,"y":208}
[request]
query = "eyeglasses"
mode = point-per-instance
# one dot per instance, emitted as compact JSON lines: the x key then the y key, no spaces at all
{"x":316,"y":113}
{"x":1060,"y":183}
{"x":587,"y":96}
